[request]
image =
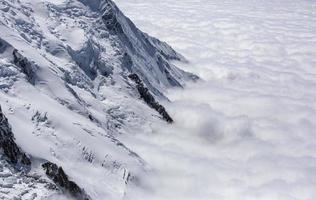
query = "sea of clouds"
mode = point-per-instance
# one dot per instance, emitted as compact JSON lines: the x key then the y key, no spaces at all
{"x":247,"y":130}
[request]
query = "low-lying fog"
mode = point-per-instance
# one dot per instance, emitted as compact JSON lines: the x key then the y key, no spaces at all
{"x":247,"y":130}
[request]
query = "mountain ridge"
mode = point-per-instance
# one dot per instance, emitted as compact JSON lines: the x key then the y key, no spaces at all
{"x":66,"y":86}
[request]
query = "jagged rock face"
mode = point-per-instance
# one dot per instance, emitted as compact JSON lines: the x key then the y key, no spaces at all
{"x":149,"y":98}
{"x":10,"y":149}
{"x":3,"y":45}
{"x":25,"y":66}
{"x":21,"y":62}
{"x":156,"y":71}
{"x":59,"y":177}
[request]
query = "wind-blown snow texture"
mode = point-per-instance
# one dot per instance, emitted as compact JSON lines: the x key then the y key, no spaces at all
{"x":248,"y":131}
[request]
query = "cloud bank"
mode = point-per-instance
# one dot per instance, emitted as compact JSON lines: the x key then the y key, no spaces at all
{"x":247,"y":130}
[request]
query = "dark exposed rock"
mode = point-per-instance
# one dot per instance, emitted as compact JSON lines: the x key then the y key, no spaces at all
{"x":86,"y":58}
{"x":149,"y":98}
{"x":60,"y":178}
{"x":25,"y":66}
{"x":110,"y":20}
{"x":9,"y":148}
{"x":19,"y":60}
{"x":3,"y":45}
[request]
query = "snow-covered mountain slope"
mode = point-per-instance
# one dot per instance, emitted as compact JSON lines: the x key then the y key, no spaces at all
{"x":74,"y":76}
{"x":19,"y":179}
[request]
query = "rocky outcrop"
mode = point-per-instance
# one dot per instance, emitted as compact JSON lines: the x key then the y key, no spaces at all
{"x":25,"y":66}
{"x":13,"y":154}
{"x":3,"y":46}
{"x":60,"y":178}
{"x":149,"y":98}
{"x":22,"y":63}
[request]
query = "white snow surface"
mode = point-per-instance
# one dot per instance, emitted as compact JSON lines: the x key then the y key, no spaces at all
{"x":248,"y":130}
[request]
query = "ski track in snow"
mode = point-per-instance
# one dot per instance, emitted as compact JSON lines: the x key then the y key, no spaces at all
{"x":248,"y":131}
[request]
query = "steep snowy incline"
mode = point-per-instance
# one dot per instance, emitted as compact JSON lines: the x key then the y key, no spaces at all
{"x":248,"y":131}
{"x":16,"y":180}
{"x":68,"y":88}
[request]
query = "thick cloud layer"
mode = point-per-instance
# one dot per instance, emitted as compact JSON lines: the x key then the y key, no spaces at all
{"x":247,"y":131}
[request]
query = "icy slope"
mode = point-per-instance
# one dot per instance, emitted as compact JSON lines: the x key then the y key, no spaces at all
{"x":248,"y":131}
{"x":65,"y":88}
{"x":16,"y":180}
